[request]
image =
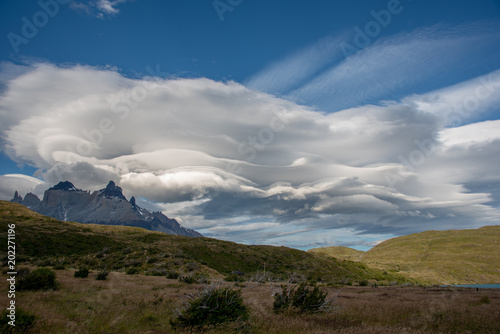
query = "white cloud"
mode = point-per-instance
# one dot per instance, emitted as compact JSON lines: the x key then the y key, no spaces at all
{"x":98,"y":8}
{"x":24,"y":184}
{"x":461,"y":103}
{"x":240,"y":164}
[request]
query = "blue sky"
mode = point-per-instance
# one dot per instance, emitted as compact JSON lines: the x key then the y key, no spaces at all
{"x":280,"y":122}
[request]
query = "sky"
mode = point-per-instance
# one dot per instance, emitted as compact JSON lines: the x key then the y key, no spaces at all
{"x":291,"y":123}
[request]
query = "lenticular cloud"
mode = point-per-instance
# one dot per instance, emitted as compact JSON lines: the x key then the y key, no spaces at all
{"x":226,"y":158}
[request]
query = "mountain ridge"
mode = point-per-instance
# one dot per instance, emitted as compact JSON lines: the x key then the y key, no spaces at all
{"x":107,"y":206}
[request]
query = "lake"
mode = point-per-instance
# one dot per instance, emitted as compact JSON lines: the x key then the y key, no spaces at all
{"x":481,"y":286}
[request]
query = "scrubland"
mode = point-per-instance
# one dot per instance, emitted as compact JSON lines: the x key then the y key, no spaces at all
{"x":145,"y":304}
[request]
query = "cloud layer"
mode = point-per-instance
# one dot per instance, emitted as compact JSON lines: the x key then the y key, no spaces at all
{"x":239,"y":164}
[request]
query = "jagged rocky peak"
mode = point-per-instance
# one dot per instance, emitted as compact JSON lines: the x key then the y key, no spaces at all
{"x":107,"y":206}
{"x":66,"y":186}
{"x":31,"y":200}
{"x":112,"y":190}
{"x":132,"y":202}
{"x":17,"y":198}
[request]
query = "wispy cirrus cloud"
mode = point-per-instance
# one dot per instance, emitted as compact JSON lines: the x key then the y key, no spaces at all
{"x":389,"y":68}
{"x":288,"y":74}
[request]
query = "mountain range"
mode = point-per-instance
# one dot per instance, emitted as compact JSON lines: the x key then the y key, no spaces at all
{"x":107,"y":206}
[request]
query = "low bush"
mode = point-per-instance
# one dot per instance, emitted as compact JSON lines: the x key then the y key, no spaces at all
{"x":82,"y":273}
{"x":300,"y":298}
{"x":363,"y":283}
{"x":156,"y":272}
{"x":38,"y":279}
{"x":213,"y":306}
{"x":24,"y":321}
{"x":132,"y":271}
{"x":172,"y":275}
{"x":235,"y":277}
{"x":189,"y":279}
{"x":102,"y":275}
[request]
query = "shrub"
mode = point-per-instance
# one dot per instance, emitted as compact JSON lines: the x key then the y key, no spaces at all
{"x":132,"y":271}
{"x":24,"y":321}
{"x":156,"y":272}
{"x":189,"y":279}
{"x":192,"y":266}
{"x":82,"y":273}
{"x":101,"y":275}
{"x":212,"y":307}
{"x":172,"y":275}
{"x":234,"y":277}
{"x":38,"y":279}
{"x":485,"y":300}
{"x":301,"y":298}
{"x":363,"y":283}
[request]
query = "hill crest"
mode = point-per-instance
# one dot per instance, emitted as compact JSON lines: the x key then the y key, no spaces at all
{"x":444,"y":257}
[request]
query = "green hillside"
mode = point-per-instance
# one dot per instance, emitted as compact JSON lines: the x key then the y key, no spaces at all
{"x":44,"y":241}
{"x":444,"y":257}
{"x":339,"y":252}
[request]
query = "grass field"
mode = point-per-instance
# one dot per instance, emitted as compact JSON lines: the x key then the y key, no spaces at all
{"x":145,"y":304}
{"x":434,"y":257}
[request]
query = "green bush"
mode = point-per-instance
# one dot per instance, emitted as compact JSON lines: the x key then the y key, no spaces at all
{"x":132,"y":271}
{"x":301,"y":298}
{"x":38,"y":279}
{"x":23,"y":321}
{"x":172,"y":275}
{"x":156,"y":272}
{"x":101,"y":275}
{"x":82,"y":273}
{"x":234,"y":277}
{"x":363,"y":283}
{"x":189,"y":279}
{"x":214,"y":306}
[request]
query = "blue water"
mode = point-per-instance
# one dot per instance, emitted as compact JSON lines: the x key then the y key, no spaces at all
{"x":481,"y":286}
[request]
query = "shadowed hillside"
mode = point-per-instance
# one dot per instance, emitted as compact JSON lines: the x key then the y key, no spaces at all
{"x":445,"y":257}
{"x":43,"y":241}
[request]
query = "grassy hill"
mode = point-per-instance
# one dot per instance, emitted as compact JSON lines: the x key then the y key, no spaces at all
{"x":339,"y":252}
{"x":44,"y":241}
{"x":445,"y":257}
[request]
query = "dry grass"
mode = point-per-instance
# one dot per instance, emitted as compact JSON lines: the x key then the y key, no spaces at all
{"x":435,"y":257}
{"x":145,"y":304}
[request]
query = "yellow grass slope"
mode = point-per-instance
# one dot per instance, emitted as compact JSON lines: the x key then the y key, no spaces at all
{"x":438,"y":257}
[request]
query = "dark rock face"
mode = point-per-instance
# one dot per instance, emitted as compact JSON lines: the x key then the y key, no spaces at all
{"x":17,"y":198}
{"x":112,"y":190}
{"x":107,"y":206}
{"x":31,"y":200}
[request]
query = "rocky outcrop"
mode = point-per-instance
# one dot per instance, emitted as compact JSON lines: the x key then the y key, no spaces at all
{"x":107,"y":206}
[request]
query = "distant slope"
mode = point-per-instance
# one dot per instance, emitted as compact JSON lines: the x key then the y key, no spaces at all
{"x":43,"y":240}
{"x":444,"y":257}
{"x":339,"y":252}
